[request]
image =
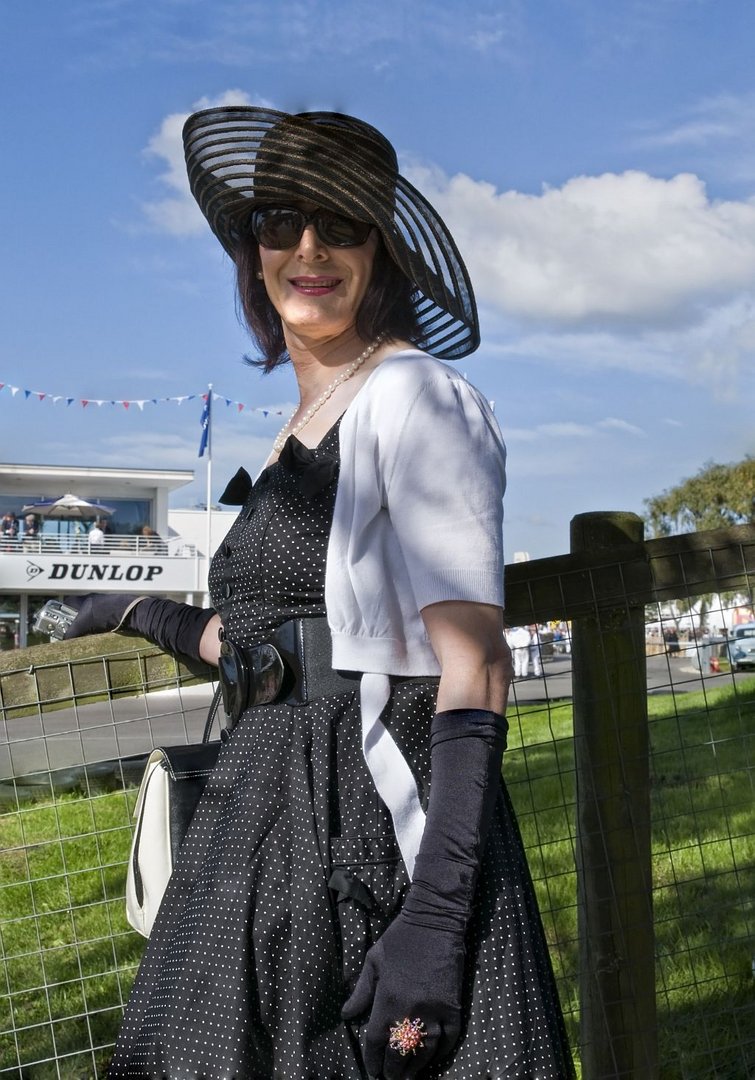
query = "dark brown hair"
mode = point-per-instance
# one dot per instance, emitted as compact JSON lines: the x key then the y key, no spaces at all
{"x":387,"y":307}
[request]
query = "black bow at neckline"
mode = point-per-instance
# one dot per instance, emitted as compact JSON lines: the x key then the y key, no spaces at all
{"x":312,"y":470}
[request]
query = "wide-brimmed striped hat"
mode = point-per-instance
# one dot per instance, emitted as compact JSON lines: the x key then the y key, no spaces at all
{"x":241,"y":155}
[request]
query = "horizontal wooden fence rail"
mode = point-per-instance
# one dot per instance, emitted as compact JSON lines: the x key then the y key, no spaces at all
{"x":642,"y":572}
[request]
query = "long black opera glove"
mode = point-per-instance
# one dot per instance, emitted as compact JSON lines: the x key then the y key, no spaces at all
{"x":415,"y":970}
{"x":175,"y":628}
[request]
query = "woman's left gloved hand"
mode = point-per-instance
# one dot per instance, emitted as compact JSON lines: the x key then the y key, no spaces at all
{"x":413,"y":971}
{"x":99,"y":613}
{"x":174,"y":627}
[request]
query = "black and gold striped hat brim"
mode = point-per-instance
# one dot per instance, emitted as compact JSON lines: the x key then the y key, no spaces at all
{"x":240,"y":156}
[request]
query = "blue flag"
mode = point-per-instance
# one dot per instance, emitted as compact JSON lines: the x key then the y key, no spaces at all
{"x":205,"y":422}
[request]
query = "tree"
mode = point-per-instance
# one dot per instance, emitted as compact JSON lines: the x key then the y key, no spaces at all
{"x":714,"y":498}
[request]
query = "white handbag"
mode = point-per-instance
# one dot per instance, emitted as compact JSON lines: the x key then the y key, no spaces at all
{"x":172,"y":785}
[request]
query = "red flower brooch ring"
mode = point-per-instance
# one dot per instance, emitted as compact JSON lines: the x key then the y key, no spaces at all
{"x":406,"y":1035}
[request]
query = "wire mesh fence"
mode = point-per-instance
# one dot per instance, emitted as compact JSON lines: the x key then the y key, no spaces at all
{"x":663,"y":825}
{"x":74,"y":735}
{"x":702,"y":737}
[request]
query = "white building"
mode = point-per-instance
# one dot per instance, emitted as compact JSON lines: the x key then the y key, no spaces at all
{"x":62,"y":560}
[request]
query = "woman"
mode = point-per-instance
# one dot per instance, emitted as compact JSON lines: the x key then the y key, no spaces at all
{"x":352,"y":898}
{"x":31,"y":534}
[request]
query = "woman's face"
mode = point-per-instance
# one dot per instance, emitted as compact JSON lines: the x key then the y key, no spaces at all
{"x":317,"y":289}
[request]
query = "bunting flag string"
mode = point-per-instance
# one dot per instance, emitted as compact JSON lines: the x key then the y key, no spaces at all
{"x":84,"y":403}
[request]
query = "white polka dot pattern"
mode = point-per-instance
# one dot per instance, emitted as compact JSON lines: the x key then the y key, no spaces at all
{"x":252,"y":955}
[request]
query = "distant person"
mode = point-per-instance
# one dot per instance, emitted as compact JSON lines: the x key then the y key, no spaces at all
{"x":562,"y":638}
{"x":151,"y":541}
{"x":31,"y":532}
{"x":519,"y":643}
{"x":535,"y":656}
{"x":9,"y":530}
{"x":672,"y":642}
{"x":97,"y":535}
{"x":78,"y":544}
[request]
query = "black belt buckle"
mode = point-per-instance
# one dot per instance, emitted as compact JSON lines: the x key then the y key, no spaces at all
{"x":248,"y":677}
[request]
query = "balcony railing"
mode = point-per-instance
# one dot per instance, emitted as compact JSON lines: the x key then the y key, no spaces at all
{"x":173,"y":547}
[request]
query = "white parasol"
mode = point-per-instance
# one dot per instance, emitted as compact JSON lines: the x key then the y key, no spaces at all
{"x":69,"y":507}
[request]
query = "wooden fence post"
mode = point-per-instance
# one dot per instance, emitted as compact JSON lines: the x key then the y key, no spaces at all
{"x":618,"y":1035}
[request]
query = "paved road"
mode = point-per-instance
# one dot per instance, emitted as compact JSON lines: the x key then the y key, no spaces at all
{"x":102,"y":731}
{"x":127,"y":727}
{"x":664,"y":674}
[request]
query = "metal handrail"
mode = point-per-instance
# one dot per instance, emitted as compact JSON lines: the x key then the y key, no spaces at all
{"x":120,"y":544}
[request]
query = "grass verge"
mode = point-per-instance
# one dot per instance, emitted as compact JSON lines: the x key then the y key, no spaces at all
{"x":703,"y":852}
{"x":69,"y":957}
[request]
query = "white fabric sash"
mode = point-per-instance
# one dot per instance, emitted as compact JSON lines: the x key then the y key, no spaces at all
{"x":393,"y":778}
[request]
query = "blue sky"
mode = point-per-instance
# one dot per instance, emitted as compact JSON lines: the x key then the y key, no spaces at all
{"x":595,"y":160}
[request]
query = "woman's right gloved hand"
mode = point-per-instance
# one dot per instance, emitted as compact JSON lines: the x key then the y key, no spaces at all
{"x":176,"y":628}
{"x":414,"y":971}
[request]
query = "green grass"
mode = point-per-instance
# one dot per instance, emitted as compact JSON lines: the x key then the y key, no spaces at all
{"x":540,"y":776}
{"x":703,"y":851}
{"x":68,"y":956}
{"x":704,"y":881}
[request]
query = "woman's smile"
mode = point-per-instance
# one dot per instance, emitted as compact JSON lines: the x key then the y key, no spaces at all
{"x":315,"y":286}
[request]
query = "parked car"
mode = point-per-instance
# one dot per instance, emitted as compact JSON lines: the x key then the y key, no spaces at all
{"x":742,"y":647}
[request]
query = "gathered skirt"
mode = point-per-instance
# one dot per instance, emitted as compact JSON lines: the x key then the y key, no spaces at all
{"x":253,"y":953}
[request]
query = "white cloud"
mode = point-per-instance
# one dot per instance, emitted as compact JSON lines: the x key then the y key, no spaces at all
{"x":713,"y":119}
{"x":571,"y":430}
{"x":151,"y":450}
{"x":500,"y":33}
{"x":613,"y":423}
{"x":717,"y":352}
{"x":611,"y":249}
{"x":178,"y":213}
{"x":146,"y":451}
{"x":483,"y":40}
{"x":627,"y":271}
{"x":565,"y":429}
{"x":243,"y":33}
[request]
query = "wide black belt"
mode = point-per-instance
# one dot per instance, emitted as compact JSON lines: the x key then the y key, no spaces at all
{"x":291,"y":668}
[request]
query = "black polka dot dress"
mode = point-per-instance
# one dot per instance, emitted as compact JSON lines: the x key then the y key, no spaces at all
{"x":253,"y":952}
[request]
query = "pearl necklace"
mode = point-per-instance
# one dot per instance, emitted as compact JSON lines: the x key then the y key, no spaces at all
{"x":287,"y":430}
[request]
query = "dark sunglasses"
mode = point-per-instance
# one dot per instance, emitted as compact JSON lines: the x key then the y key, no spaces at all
{"x":281,"y":227}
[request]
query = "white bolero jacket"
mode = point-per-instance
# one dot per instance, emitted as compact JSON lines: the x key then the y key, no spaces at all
{"x":418,"y":519}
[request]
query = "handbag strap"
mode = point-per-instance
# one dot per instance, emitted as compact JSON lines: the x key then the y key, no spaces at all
{"x":214,"y":704}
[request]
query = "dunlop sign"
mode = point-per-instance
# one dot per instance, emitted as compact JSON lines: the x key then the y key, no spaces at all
{"x":103,"y":572}
{"x":51,"y":573}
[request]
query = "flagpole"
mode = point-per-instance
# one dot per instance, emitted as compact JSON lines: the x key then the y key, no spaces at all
{"x":209,"y":480}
